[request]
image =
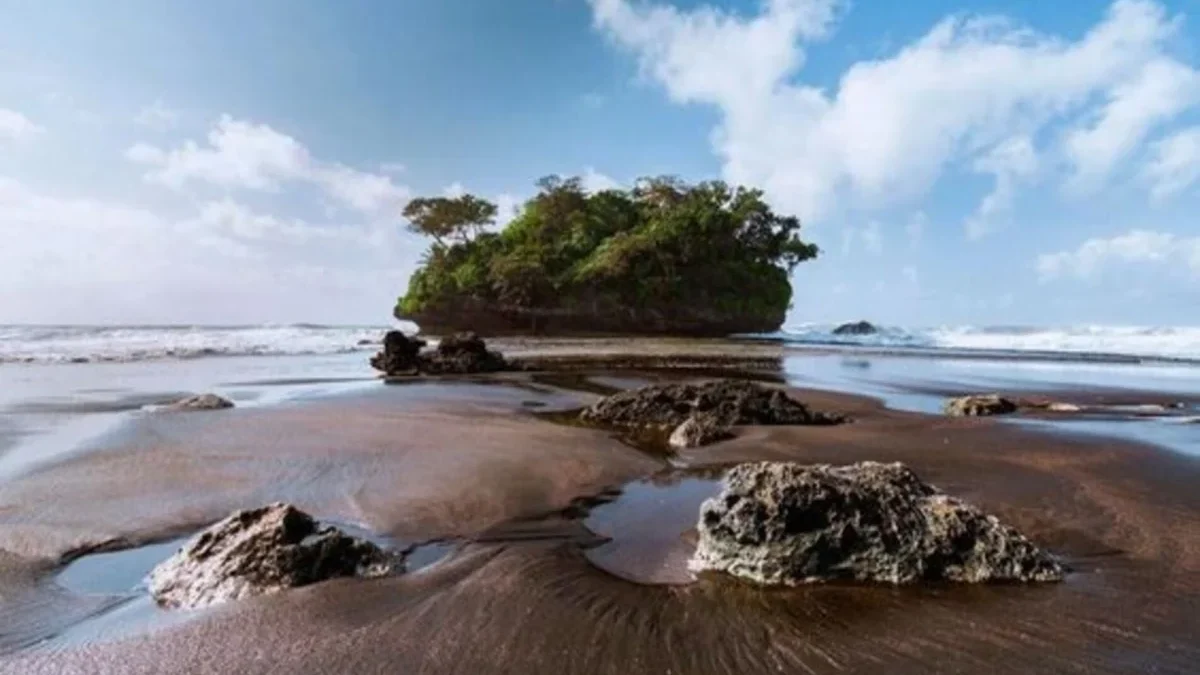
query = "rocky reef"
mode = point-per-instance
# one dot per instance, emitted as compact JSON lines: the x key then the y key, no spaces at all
{"x":260,"y":551}
{"x":702,"y":413}
{"x":460,"y":353}
{"x":201,"y":402}
{"x":780,"y":523}
{"x":856,"y":328}
{"x":980,"y":405}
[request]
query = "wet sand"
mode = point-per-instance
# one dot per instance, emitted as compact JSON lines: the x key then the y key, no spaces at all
{"x":558,"y":571}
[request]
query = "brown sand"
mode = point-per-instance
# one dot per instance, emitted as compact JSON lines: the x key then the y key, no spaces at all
{"x":430,"y":461}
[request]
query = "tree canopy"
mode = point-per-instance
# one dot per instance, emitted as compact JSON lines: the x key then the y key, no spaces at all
{"x":666,"y":249}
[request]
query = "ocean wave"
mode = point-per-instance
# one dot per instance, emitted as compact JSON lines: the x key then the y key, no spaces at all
{"x":79,"y":344}
{"x":1144,"y":342}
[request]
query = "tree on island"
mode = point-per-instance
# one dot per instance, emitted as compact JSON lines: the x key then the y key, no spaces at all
{"x":663,"y":257}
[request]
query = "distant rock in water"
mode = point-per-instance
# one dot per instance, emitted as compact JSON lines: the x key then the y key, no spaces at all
{"x":702,"y":410}
{"x":201,"y":402}
{"x":260,"y":551}
{"x":980,"y":406}
{"x":856,"y":328}
{"x":460,"y":353}
{"x":781,"y":523}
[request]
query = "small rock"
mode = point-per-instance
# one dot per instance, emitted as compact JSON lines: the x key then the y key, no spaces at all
{"x":698,"y":430}
{"x":785,"y":523}
{"x":979,"y":406}
{"x":856,"y":328}
{"x":202,"y":402}
{"x":260,"y":551}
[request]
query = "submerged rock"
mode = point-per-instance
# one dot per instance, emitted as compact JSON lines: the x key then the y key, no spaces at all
{"x":399,"y":354}
{"x":259,"y":551}
{"x":980,"y":406}
{"x":698,"y":430}
{"x":201,"y":402}
{"x":726,"y":402}
{"x":785,"y":523}
{"x":462,"y":353}
{"x":856,"y":328}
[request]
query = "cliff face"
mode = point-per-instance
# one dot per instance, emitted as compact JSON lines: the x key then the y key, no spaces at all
{"x":680,"y":320}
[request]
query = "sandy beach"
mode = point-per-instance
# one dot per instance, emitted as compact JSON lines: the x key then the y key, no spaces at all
{"x":556,"y":548}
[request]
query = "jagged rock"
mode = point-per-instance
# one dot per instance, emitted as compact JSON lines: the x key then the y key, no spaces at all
{"x":201,"y":402}
{"x":462,"y":353}
{"x":856,"y":328}
{"x":399,"y":354}
{"x":978,"y":406}
{"x":259,"y":551}
{"x":728,"y":402}
{"x":698,"y":430}
{"x":784,"y":523}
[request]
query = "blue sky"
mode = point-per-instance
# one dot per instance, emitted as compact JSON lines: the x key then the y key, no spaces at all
{"x":994,"y":162}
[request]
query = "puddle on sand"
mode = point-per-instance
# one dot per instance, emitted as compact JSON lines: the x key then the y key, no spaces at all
{"x":647,"y":527}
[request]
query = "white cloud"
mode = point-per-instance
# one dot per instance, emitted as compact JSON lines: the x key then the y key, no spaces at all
{"x":507,"y":207}
{"x":1094,"y":256}
{"x":454,"y":189}
{"x":250,"y":156}
{"x":1009,"y":162}
{"x":1174,"y":165}
{"x":869,"y":237}
{"x":594,"y":181}
{"x":16,"y":127}
{"x":157,"y":116}
{"x":915,"y":228}
{"x":892,"y":126}
{"x":393,"y":167}
{"x":88,"y":261}
{"x":910,"y":275}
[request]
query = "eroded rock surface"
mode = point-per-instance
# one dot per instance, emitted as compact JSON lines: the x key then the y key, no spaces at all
{"x":785,"y":523}
{"x":399,"y":354}
{"x":259,"y":551}
{"x":202,"y":402}
{"x":698,"y":430}
{"x":980,"y":406}
{"x":723,"y":402}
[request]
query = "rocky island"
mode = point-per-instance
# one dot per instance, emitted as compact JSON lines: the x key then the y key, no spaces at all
{"x":664,"y":257}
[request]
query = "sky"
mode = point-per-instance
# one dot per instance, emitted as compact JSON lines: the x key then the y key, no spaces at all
{"x":1012,"y":162}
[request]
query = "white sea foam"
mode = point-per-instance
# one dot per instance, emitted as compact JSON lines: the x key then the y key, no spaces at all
{"x":1163,"y":342}
{"x":66,"y":344}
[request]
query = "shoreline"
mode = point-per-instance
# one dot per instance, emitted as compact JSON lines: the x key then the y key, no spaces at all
{"x":469,"y":459}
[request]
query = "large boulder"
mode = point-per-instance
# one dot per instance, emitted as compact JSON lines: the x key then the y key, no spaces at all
{"x":980,"y":406}
{"x":399,"y":354}
{"x":726,"y":402}
{"x":201,"y":402}
{"x":260,"y":551}
{"x":462,"y":353}
{"x":784,"y":523}
{"x":856,"y":328}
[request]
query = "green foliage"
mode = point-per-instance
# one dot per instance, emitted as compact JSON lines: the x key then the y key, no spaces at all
{"x":663,"y":246}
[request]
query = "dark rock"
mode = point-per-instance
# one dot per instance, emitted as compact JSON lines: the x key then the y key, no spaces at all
{"x":699,"y":430}
{"x":201,"y":402}
{"x":785,"y":523}
{"x":727,"y":402}
{"x":259,"y":551}
{"x":462,"y":353}
{"x":364,"y":342}
{"x":399,"y":354}
{"x":980,"y":406}
{"x":856,"y":328}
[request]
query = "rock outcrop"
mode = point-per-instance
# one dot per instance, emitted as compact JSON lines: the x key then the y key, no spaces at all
{"x":201,"y":402}
{"x":856,"y":328}
{"x":782,"y":523}
{"x":259,"y":551}
{"x":727,"y":402}
{"x":460,"y":353}
{"x":698,"y":430}
{"x":980,"y":406}
{"x":399,"y":355}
